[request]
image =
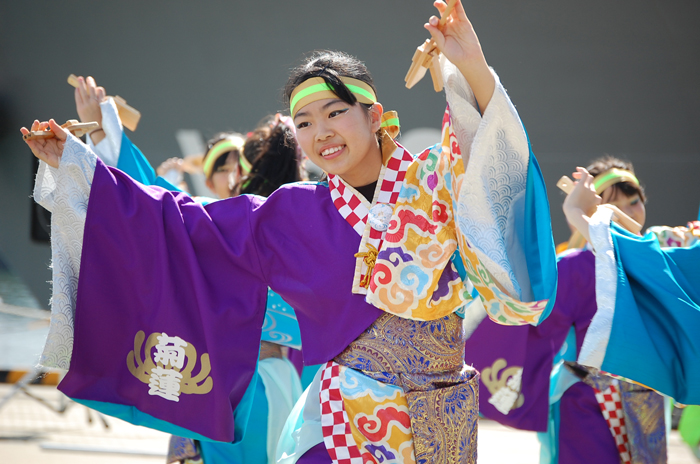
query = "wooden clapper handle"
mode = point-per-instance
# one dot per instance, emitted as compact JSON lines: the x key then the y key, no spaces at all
{"x":567,"y":185}
{"x":427,"y":56}
{"x":76,"y":128}
{"x":129,"y":115}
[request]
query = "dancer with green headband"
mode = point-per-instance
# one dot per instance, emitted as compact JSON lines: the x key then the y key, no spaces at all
{"x":223,"y":163}
{"x":623,"y":421}
{"x":566,"y":402}
{"x":648,"y":310}
{"x":381,"y":263}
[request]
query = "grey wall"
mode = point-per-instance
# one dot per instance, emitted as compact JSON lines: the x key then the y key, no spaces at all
{"x":588,"y":78}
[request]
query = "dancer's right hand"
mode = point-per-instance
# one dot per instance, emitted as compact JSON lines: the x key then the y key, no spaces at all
{"x":47,"y":150}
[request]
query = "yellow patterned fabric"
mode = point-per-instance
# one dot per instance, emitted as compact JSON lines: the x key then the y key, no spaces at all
{"x":414,"y":275}
{"x":378,"y":415}
{"x":408,"y":395}
{"x":408,"y":278}
{"x":671,"y":237}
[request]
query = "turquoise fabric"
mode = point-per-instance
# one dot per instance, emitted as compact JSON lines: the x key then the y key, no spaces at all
{"x":134,"y":163}
{"x":655,"y":338}
{"x":560,"y":381}
{"x":307,"y":375}
{"x":534,"y":231}
{"x":549,"y":440}
{"x":253,"y":445}
{"x":459,"y":265}
{"x":281,"y":325}
{"x":134,"y":416}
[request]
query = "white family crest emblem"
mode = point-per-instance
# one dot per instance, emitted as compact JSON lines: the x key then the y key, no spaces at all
{"x":380,"y":216}
{"x":504,"y":388}
{"x":167,"y":366}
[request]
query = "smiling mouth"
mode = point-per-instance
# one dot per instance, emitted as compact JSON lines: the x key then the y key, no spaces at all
{"x":331,"y":151}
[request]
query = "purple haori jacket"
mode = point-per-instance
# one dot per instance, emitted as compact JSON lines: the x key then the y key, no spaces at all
{"x":532,"y":349}
{"x":187,"y":265}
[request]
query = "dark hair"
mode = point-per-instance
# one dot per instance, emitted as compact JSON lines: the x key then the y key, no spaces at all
{"x":604,"y":163}
{"x":330,"y":65}
{"x":223,"y":157}
{"x":272,"y":151}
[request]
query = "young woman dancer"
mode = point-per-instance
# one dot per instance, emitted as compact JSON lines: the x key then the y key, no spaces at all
{"x":648,"y":316}
{"x":378,"y":283}
{"x":580,"y":395}
{"x":577,"y":425}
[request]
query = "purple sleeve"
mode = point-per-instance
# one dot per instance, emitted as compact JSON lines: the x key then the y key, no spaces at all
{"x":578,"y":302}
{"x":497,"y":350}
{"x":169,"y":308}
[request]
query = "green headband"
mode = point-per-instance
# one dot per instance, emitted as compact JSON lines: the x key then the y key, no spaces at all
{"x":611,"y":177}
{"x":315,"y":88}
{"x":224,"y":146}
{"x":390,"y":123}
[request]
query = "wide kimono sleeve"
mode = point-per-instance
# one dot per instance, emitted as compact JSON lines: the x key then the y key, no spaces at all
{"x":280,"y":324}
{"x":474,"y":204}
{"x":647,"y":324}
{"x":159,"y":301}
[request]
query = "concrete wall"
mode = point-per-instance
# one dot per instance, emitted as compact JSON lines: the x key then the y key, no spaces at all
{"x":588,"y":78}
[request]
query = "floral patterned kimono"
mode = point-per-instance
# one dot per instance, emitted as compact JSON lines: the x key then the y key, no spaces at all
{"x":379,"y":289}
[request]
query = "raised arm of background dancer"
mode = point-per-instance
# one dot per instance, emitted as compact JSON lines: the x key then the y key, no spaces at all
{"x":459,"y":43}
{"x":580,"y":204}
{"x":88,"y":97}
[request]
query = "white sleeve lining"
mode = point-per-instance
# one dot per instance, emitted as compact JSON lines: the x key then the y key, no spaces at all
{"x":597,"y":336}
{"x":108,"y":148}
{"x":65,"y":192}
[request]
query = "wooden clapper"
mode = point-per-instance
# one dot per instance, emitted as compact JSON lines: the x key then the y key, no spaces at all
{"x":74,"y":126}
{"x":129,"y":115}
{"x":567,"y":185}
{"x":427,"y":57}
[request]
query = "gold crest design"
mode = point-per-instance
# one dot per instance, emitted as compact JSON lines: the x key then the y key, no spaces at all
{"x":168,"y":365}
{"x":504,"y":388}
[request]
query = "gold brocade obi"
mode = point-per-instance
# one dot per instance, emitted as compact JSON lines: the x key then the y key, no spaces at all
{"x":400,"y":351}
{"x":425,"y":359}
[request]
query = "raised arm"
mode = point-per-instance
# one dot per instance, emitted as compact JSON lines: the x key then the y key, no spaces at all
{"x":581,"y":203}
{"x":88,"y":97}
{"x":92,"y":105}
{"x":460,"y":44}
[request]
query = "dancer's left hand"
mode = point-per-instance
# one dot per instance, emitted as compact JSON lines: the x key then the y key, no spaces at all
{"x":456,"y":39}
{"x":459,"y":43}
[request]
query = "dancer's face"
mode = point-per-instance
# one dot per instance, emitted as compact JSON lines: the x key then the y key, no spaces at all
{"x":224,"y":178}
{"x":341,"y":139}
{"x":633,"y":206}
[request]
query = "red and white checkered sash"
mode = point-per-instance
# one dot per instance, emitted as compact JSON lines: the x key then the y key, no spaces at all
{"x":611,"y":405}
{"x":335,"y":423}
{"x":355,"y":209}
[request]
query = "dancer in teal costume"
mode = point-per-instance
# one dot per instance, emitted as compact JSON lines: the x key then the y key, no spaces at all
{"x":648,"y":319}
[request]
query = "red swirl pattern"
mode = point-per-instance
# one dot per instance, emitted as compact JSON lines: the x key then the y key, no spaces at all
{"x":407,"y":217}
{"x":381,"y":422}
